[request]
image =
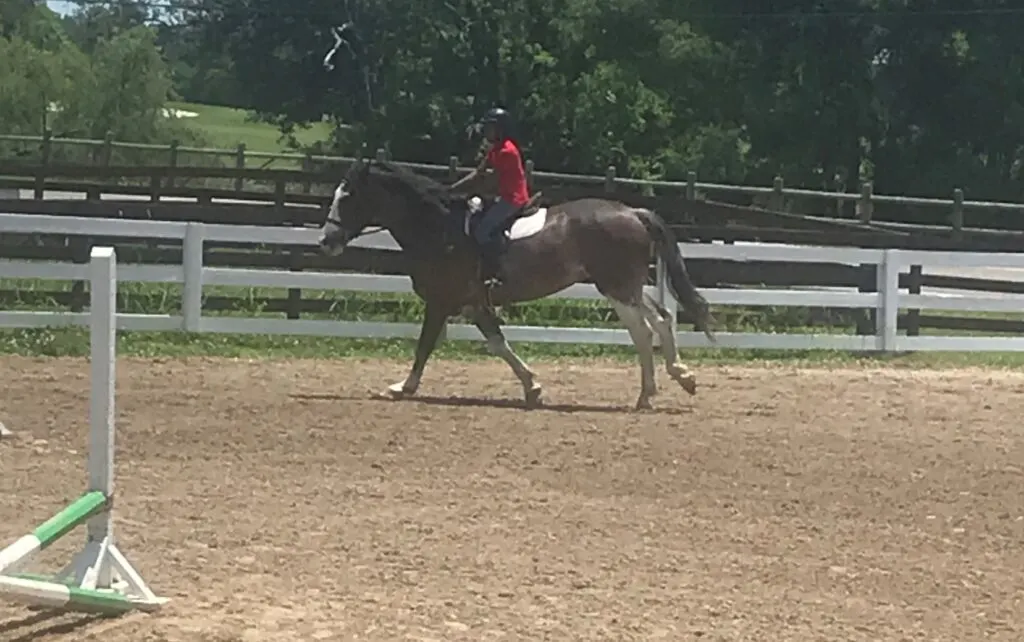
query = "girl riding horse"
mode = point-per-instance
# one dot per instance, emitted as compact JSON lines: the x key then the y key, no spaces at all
{"x":506,"y":160}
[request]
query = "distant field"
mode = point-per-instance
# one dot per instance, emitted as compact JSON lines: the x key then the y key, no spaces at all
{"x":227,"y":127}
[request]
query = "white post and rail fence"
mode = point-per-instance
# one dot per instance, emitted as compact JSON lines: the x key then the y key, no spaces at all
{"x":193,"y":275}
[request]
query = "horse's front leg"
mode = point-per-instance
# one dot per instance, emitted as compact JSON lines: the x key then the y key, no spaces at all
{"x":433,"y":323}
{"x":490,"y":326}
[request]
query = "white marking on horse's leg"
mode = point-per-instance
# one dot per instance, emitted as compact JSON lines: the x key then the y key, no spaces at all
{"x":499,"y":346}
{"x":663,"y":326}
{"x":632,"y":317}
{"x":430,"y":334}
{"x":408,"y":386}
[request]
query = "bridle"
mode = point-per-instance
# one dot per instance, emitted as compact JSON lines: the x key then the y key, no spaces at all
{"x":363,"y":232}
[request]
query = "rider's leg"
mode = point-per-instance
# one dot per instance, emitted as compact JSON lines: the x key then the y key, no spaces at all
{"x":491,"y":219}
{"x":488,"y":239}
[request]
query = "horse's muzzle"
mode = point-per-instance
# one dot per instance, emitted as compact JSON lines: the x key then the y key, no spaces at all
{"x":334,"y":242}
{"x":331,"y":249}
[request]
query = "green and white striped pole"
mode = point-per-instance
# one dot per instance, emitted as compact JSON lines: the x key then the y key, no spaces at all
{"x":51,"y":530}
{"x":50,"y":594}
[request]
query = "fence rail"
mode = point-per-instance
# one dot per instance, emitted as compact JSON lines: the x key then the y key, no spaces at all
{"x":194,"y":275}
{"x":376,"y":253}
{"x":865,"y":201}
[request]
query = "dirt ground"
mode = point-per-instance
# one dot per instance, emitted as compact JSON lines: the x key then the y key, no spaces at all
{"x":279,"y":501}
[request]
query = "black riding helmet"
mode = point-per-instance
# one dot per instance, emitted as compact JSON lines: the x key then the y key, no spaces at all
{"x":500,"y":117}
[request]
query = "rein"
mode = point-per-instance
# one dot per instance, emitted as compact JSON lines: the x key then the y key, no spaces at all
{"x":367,"y":230}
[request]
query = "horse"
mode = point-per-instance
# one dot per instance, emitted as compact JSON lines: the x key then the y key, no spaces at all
{"x":603,"y":240}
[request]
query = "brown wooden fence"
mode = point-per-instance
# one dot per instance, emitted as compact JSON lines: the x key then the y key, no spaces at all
{"x":269,"y":196}
{"x":854,"y":201}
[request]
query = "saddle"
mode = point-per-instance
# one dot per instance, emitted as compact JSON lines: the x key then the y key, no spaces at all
{"x":526,"y":209}
{"x":475,"y":206}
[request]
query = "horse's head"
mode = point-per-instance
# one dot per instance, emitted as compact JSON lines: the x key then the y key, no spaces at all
{"x":351,"y":211}
{"x":378,"y":193}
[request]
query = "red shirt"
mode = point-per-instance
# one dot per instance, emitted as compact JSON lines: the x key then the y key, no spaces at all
{"x":504,"y":157}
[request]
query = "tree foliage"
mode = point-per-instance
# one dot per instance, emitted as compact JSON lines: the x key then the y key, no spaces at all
{"x":100,"y":73}
{"x":909,"y":93}
{"x":915,"y":95}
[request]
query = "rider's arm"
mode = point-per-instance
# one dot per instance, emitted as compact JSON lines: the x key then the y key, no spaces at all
{"x":473,"y":175}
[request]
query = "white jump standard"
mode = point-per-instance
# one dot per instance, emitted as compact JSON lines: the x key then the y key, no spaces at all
{"x":99,"y":578}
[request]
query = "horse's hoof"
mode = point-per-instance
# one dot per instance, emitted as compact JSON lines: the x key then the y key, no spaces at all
{"x":533,"y":397}
{"x":686,"y":379}
{"x":689,"y":383}
{"x":647,"y":392}
{"x":397,"y":391}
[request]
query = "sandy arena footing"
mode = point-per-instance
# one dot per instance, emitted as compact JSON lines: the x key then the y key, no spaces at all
{"x":278,"y":500}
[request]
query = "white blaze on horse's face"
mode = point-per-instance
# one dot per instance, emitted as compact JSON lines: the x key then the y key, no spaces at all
{"x":332,"y":226}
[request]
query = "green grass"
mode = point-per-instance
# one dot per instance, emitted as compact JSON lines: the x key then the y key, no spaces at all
{"x":165,"y":299}
{"x":227,"y":127}
{"x":74,"y":342}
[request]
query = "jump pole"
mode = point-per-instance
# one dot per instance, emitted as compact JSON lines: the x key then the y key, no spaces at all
{"x":99,"y":579}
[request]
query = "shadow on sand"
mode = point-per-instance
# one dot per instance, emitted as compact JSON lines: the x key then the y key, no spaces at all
{"x":481,"y":402}
{"x":45,"y":623}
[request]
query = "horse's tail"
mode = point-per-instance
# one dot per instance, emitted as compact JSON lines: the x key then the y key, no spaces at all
{"x":679,"y":280}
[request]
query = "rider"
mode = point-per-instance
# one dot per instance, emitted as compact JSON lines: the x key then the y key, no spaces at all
{"x":504,"y":157}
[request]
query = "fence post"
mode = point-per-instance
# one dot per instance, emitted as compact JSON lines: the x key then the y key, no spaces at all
{"x":192,"y":268}
{"x":778,"y":199}
{"x":865,"y":208}
{"x":453,"y":175}
{"x":240,"y":165}
{"x":172,"y":161}
{"x":156,"y":179}
{"x":308,"y":167}
{"x":294,"y":305}
{"x":956,"y":217}
{"x":45,"y":155}
{"x":46,"y":147}
{"x":609,"y":179}
{"x":840,"y":191}
{"x":665,"y":298}
{"x":107,"y":155}
{"x":886,"y":317}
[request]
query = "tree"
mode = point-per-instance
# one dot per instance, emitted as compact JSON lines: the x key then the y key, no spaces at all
{"x":49,"y":83}
{"x":92,"y":23}
{"x":434,"y":66}
{"x":131,"y":87}
{"x":39,"y":70}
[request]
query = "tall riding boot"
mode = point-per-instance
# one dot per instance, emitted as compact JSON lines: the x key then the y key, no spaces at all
{"x":491,"y":263}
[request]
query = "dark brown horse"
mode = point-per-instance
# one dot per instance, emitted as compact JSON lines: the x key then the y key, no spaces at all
{"x":603,"y":240}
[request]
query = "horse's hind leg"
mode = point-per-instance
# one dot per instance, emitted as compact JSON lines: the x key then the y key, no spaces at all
{"x":487,"y":322}
{"x":661,"y":321}
{"x":633,"y":316}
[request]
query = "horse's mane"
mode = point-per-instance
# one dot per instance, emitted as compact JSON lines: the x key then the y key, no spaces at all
{"x":415,"y":186}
